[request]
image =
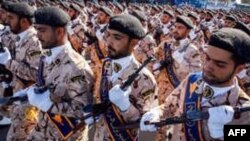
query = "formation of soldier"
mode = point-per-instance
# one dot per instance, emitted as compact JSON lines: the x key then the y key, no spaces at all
{"x":120,"y":68}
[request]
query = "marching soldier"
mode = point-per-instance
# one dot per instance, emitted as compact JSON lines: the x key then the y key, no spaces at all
{"x":166,"y":21}
{"x":230,"y":21}
{"x":128,"y":104}
{"x":215,"y":90}
{"x":76,"y":28}
{"x":22,"y":61}
{"x":196,"y":34}
{"x":177,"y":57}
{"x":64,"y":82}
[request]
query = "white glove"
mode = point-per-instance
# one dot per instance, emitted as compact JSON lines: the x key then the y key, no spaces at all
{"x":119,"y":97}
{"x":218,"y":117}
{"x":156,"y":67}
{"x":5,"y":85}
{"x":89,"y":120}
{"x":151,"y":116}
{"x":41,"y":101}
{"x":99,"y":35}
{"x":5,"y":56}
{"x":21,"y":93}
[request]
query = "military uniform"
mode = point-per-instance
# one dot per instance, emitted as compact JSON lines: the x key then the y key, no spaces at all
{"x":25,"y":66}
{"x":173,"y":106}
{"x":195,"y":94}
{"x":126,"y":105}
{"x":25,"y":52}
{"x":63,"y":87}
{"x":76,"y":31}
{"x":144,"y":49}
{"x":142,"y":96}
{"x":244,"y":80}
{"x":70,"y":90}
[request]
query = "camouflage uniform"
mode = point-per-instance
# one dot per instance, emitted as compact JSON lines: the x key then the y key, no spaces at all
{"x":142,"y":98}
{"x":70,"y":82}
{"x":24,"y":64}
{"x":182,"y":66}
{"x":244,"y":79}
{"x":174,"y":103}
{"x":76,"y":31}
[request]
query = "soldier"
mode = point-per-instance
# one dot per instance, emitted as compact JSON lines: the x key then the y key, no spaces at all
{"x":76,"y":28}
{"x":215,"y":90}
{"x":176,"y":58}
{"x":230,"y":21}
{"x":166,"y":21}
{"x":146,"y":47}
{"x":64,"y":81}
{"x":129,"y":104}
{"x":5,"y":34}
{"x":196,"y":34}
{"x":23,"y":62}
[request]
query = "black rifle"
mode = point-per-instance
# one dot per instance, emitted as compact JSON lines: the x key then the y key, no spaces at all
{"x":187,"y":117}
{"x":1,"y":46}
{"x":100,"y":108}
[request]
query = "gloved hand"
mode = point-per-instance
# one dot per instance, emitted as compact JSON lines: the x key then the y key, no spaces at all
{"x":150,"y":116}
{"x":156,"y":68}
{"x":119,"y":97}
{"x":5,"y":56}
{"x":89,"y":120}
{"x":218,"y":117}
{"x":41,"y":101}
{"x":5,"y":75}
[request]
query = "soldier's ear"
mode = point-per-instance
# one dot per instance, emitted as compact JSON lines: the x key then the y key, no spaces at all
{"x":133,"y":42}
{"x":60,"y":32}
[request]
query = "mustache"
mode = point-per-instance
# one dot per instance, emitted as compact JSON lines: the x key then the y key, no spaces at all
{"x":111,"y":48}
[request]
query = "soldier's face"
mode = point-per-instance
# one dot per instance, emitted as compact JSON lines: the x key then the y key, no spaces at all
{"x":118,"y":44}
{"x":3,"y":16}
{"x":46,"y":35}
{"x":14,"y":23}
{"x":180,"y":31}
{"x":229,"y":23}
{"x":219,"y":68}
{"x":101,"y":17}
{"x":72,"y":13}
{"x":165,"y":18}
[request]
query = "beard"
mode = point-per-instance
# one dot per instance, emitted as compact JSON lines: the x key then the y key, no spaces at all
{"x":113,"y":54}
{"x":217,"y":81}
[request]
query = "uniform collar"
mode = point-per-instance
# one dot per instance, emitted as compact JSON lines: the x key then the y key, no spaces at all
{"x":54,"y":52}
{"x":23,"y":34}
{"x":118,"y":65}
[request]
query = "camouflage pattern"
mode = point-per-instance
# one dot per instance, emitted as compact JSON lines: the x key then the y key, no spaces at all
{"x":173,"y":106}
{"x":70,"y":81}
{"x":191,"y":63}
{"x":142,"y":98}
{"x":24,"y":67}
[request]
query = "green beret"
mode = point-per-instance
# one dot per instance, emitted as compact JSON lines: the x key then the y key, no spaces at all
{"x":168,"y":13}
{"x":185,"y":21}
{"x":21,"y":9}
{"x":127,"y":24}
{"x":233,"y":40}
{"x":52,"y":16}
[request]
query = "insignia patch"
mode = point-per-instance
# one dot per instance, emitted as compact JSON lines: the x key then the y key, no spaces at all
{"x":117,"y":67}
{"x":208,"y":92}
